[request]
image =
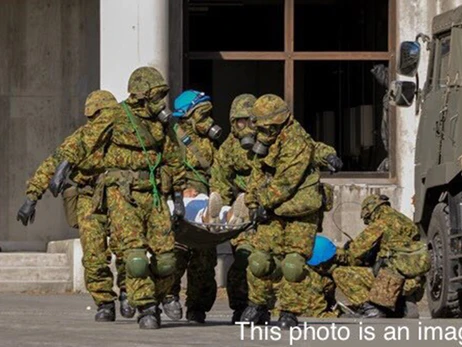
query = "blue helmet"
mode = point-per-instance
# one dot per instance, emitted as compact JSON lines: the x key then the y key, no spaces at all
{"x":188,"y":100}
{"x":323,"y":250}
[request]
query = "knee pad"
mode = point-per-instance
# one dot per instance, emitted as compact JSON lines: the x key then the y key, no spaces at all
{"x":241,"y":257}
{"x":137,"y":263}
{"x":261,"y":264}
{"x":164,"y":264}
{"x":293,"y":267}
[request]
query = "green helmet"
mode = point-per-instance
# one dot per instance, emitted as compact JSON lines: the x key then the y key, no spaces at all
{"x":371,"y":203}
{"x":242,"y":106}
{"x":143,"y":80}
{"x":98,"y":100}
{"x":270,"y":109}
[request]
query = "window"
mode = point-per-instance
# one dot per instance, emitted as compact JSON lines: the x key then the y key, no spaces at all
{"x":444,"y":48}
{"x":317,"y":54}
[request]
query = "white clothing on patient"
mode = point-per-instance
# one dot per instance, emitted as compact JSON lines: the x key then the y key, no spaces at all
{"x":195,"y":208}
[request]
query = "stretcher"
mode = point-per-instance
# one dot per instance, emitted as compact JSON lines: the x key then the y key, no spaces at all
{"x":207,"y":235}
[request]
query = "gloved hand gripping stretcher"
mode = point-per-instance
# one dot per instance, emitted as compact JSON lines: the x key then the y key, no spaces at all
{"x":208,"y":223}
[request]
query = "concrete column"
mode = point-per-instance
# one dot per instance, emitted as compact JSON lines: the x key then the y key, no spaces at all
{"x":413,"y":17}
{"x":134,"y":33}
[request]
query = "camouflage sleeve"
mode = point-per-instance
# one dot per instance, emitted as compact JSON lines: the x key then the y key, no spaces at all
{"x":364,"y":244}
{"x":321,"y":152}
{"x":255,"y":183}
{"x":173,"y":165}
{"x":222,"y":173}
{"x":38,"y":183}
{"x":294,"y":159}
{"x":88,"y":138}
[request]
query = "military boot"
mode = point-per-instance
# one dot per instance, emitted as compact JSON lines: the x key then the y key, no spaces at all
{"x":195,"y":316}
{"x":126,"y":310}
{"x":149,"y":317}
{"x":287,"y":320}
{"x":236,"y":316}
{"x":369,"y":310}
{"x":172,"y":308}
{"x":106,"y":312}
{"x":256,"y":314}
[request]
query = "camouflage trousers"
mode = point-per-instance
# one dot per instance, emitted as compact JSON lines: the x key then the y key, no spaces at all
{"x":236,"y":283}
{"x":200,"y":265}
{"x":96,"y":254}
{"x":356,"y":283}
{"x":280,"y":237}
{"x":140,"y":225}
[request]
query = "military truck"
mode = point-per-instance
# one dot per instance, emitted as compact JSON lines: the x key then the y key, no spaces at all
{"x":438,"y":180}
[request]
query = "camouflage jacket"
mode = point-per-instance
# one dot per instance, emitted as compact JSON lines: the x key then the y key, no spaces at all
{"x":289,"y":164}
{"x":197,"y":170}
{"x":83,"y":174}
{"x":119,"y":132}
{"x":388,"y":232}
{"x":231,"y":169}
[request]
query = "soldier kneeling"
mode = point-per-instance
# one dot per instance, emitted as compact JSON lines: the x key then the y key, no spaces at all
{"x":386,"y":263}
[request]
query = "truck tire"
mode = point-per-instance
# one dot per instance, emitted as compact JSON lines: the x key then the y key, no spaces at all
{"x":443,"y":301}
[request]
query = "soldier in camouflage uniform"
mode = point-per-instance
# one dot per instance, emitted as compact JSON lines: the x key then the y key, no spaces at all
{"x":192,"y":109}
{"x":230,"y":172}
{"x":138,"y":150}
{"x":284,"y":194}
{"x":92,"y":226}
{"x":387,"y":261}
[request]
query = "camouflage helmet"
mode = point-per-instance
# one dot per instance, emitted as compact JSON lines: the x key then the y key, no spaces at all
{"x":371,"y":203}
{"x":270,"y":109}
{"x":242,"y":106}
{"x":144,"y":79}
{"x":98,"y":100}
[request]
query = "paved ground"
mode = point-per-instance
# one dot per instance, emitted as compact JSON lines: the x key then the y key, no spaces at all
{"x":64,"y":320}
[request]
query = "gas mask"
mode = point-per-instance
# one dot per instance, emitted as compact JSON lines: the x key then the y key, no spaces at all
{"x":266,"y":136}
{"x":202,"y":123}
{"x":155,"y":100}
{"x":244,"y":130}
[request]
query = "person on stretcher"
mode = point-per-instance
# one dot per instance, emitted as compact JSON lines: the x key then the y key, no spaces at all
{"x":210,"y":210}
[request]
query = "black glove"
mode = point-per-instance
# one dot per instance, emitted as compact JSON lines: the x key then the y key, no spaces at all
{"x":26,"y":213}
{"x":57,"y":181}
{"x":258,"y":215}
{"x":334,"y":163}
{"x":179,"y":210}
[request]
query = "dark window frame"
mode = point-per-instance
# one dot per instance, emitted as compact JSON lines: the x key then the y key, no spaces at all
{"x":289,"y":56}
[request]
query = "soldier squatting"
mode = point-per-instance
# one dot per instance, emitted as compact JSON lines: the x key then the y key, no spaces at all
{"x":117,"y":172}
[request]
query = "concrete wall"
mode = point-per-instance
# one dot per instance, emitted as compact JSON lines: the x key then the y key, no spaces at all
{"x":49,"y":62}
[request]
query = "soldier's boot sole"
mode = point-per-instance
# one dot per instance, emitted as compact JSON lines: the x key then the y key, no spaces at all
{"x":239,"y":213}
{"x":212,"y":211}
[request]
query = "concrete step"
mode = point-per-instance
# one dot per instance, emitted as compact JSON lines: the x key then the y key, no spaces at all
{"x":36,"y":287}
{"x":49,"y":273}
{"x":33,"y":259}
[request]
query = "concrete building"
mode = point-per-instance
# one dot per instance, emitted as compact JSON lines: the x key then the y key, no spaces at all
{"x":317,"y":54}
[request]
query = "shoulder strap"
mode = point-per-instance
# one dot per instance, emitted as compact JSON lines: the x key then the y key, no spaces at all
{"x":152,"y":166}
